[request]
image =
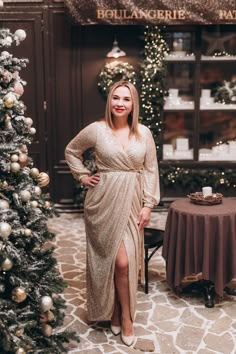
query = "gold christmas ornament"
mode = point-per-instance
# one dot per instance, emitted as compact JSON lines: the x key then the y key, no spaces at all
{"x":9,"y":100}
{"x":25,"y":195}
{"x":5,"y":230}
{"x":19,"y":294}
{"x":45,"y":303}
{"x":47,"y":330}
{"x":43,"y":179}
{"x":4,"y":184}
{"x":23,"y":159}
{"x":7,"y":264}
{"x":4,"y":204}
{"x":19,"y":332}
{"x":50,"y":316}
{"x":34,"y":204}
{"x":47,"y":204}
{"x":14,"y":158}
{"x":34,"y":172}
{"x":15,"y":167}
{"x":28,"y":121}
{"x":20,"y":351}
{"x":27,"y":232}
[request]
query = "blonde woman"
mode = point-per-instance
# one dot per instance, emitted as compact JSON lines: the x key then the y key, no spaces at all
{"x":117,"y":206}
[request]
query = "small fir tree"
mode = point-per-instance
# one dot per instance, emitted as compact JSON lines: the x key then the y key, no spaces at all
{"x":153,"y":81}
{"x":31,"y":308}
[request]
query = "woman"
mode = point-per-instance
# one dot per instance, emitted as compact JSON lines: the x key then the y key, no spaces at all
{"x":117,"y":206}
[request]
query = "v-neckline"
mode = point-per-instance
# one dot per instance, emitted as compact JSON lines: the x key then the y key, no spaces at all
{"x":119,"y":143}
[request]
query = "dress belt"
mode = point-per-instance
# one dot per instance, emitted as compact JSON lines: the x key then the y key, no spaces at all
{"x":108,"y":171}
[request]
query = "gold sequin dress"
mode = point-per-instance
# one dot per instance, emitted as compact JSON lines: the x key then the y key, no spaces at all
{"x":129,"y":179}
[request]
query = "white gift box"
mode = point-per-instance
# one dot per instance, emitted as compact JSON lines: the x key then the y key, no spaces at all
{"x":182,"y":144}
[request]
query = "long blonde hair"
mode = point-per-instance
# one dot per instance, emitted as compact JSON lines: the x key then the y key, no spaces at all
{"x":134,"y":115}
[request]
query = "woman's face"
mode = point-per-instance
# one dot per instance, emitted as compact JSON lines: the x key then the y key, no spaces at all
{"x":121,"y":102}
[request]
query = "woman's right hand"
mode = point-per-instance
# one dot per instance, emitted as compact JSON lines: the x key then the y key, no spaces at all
{"x":90,"y":181}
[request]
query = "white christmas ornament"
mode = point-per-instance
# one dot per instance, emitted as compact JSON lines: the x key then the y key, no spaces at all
{"x":27,"y":232}
{"x":32,"y":131}
{"x":4,"y":204}
{"x":21,"y":34}
{"x":15,"y":167}
{"x":28,"y":121}
{"x":34,"y":204}
{"x":7,"y":264}
{"x":37,"y":190}
{"x":46,"y":303}
{"x":5,"y":54}
{"x":14,"y":158}
{"x":5,"y":230}
{"x":25,"y":195}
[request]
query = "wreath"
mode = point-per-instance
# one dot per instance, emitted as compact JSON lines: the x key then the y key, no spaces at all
{"x":113,"y":72}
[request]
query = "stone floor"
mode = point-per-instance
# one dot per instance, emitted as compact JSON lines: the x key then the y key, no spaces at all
{"x":164,"y":323}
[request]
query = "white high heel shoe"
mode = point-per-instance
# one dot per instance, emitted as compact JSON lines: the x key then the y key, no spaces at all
{"x":127,"y":340}
{"x":115,"y":330}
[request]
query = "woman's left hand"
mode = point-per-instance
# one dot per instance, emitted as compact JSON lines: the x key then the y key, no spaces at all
{"x":144,"y":217}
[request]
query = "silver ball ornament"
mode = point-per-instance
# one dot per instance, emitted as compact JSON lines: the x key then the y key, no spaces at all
{"x":5,"y":230}
{"x":45,"y":303}
{"x":4,"y":204}
{"x":7,"y":264}
{"x":25,"y":195}
{"x":15,"y":167}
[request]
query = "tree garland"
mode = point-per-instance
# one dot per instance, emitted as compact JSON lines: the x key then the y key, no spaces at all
{"x":115,"y":71}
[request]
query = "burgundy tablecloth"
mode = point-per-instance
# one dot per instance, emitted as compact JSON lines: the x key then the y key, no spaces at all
{"x":201,"y":239}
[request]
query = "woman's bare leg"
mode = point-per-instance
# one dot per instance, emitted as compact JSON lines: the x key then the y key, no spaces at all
{"x":122,"y":286}
{"x":116,"y":316}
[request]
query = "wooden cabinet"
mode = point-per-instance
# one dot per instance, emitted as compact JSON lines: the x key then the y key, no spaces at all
{"x":201,"y":63}
{"x":199,"y":128}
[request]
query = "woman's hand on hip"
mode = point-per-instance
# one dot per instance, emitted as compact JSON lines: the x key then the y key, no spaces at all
{"x":90,"y":181}
{"x":144,"y":217}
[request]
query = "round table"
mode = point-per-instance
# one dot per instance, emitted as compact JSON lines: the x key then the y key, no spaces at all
{"x":201,"y":239}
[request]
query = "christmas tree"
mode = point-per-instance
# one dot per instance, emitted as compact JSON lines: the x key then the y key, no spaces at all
{"x":31,"y":307}
{"x":153,"y":81}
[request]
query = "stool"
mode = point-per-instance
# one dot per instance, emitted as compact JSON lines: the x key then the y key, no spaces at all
{"x":153,"y":238}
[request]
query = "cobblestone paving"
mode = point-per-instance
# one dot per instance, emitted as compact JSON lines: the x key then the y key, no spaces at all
{"x":164,"y":323}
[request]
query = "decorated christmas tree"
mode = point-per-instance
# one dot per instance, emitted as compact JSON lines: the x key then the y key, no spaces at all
{"x":153,"y":81}
{"x":31,"y":307}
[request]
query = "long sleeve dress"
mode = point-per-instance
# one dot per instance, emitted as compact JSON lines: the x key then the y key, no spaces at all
{"x":129,"y":180}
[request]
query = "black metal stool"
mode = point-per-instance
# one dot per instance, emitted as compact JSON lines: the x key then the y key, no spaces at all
{"x":153,"y":238}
